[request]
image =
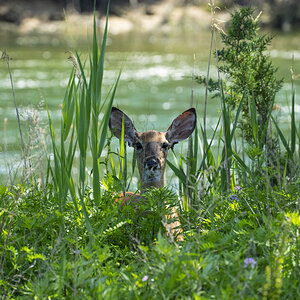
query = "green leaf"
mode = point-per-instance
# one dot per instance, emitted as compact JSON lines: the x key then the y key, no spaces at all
{"x":178,"y":172}
{"x":282,"y":138}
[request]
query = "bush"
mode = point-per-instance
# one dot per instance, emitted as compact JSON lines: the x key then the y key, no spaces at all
{"x":249,"y":70}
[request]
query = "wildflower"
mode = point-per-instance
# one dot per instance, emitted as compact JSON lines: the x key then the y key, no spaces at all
{"x":249,"y":261}
{"x":237,"y":188}
{"x":145,"y":278}
{"x":234,"y":197}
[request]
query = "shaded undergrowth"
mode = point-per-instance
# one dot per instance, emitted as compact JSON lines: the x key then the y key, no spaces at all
{"x":232,"y":248}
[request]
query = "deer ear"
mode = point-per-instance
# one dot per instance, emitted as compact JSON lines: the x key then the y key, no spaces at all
{"x":115,"y":125}
{"x":182,"y":127}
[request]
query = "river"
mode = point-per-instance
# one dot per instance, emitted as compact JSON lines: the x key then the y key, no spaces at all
{"x":156,"y":82}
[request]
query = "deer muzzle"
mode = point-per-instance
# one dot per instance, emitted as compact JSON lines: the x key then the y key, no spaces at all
{"x":152,"y":164}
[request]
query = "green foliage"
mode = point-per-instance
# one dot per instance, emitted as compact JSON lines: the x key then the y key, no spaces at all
{"x":259,"y":154}
{"x":232,"y":249}
{"x":82,"y":128}
{"x":249,"y":71}
{"x":240,"y":241}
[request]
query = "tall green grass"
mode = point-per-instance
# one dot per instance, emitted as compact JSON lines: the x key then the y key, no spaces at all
{"x":4,"y":56}
{"x":235,"y":162}
{"x":244,"y":165}
{"x":84,"y":125}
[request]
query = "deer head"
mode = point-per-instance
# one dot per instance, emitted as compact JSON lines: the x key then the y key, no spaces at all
{"x":152,"y":146}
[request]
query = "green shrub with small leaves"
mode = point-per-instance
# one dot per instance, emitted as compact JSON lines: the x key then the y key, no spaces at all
{"x":248,"y":70}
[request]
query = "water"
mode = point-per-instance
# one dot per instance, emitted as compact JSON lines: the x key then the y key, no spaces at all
{"x":155,"y":85}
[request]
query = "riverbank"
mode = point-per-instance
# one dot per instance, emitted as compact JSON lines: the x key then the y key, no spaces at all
{"x":138,"y":15}
{"x":49,"y":17}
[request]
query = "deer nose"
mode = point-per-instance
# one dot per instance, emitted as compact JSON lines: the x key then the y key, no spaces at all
{"x":152,"y":164}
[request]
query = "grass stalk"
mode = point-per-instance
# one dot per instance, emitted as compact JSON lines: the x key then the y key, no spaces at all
{"x":97,"y":77}
{"x":188,"y":165}
{"x":226,"y":163}
{"x":5,"y":57}
{"x":207,"y":78}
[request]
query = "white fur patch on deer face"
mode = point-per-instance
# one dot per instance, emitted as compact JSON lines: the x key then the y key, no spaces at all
{"x":151,"y":152}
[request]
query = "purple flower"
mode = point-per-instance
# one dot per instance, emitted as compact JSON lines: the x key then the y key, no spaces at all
{"x":145,"y":278}
{"x":234,"y":197}
{"x":249,"y":262}
{"x":237,"y":188}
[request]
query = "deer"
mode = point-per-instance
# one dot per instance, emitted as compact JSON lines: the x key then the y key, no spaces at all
{"x":151,"y":154}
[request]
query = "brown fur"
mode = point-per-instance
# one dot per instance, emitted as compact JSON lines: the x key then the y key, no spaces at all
{"x":151,"y":153}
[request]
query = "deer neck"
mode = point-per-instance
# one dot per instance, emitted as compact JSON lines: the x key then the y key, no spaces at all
{"x":147,"y":184}
{"x":157,"y":184}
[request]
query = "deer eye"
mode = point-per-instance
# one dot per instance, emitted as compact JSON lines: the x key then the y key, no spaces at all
{"x":165,"y":146}
{"x":138,"y":146}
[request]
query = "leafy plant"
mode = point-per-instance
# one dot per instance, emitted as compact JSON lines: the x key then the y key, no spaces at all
{"x":249,"y":70}
{"x":82,"y":128}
